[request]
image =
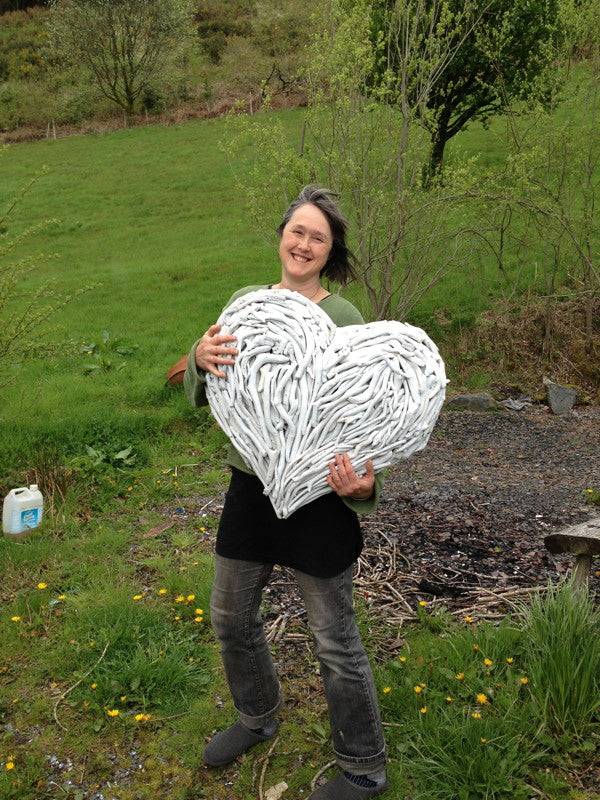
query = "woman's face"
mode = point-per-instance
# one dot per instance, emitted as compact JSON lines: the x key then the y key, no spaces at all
{"x":305,"y":243}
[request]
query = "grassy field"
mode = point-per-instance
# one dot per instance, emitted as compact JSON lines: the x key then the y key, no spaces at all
{"x":148,"y":218}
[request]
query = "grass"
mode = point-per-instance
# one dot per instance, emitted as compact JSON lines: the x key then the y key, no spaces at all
{"x":149,"y":216}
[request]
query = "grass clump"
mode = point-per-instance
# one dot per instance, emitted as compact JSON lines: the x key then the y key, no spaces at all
{"x":475,"y":710}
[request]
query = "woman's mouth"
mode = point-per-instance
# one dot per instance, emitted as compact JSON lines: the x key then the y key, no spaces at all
{"x":299,"y":258}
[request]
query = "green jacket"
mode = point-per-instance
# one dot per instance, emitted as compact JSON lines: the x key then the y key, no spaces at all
{"x":342,"y":313}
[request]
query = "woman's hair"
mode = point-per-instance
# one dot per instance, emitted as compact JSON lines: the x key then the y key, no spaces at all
{"x":341,"y":262}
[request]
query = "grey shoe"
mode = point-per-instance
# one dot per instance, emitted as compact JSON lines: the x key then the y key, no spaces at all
{"x":227,"y":745}
{"x":340,"y":788}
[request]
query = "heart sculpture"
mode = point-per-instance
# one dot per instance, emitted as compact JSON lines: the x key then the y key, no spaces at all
{"x":302,"y":390}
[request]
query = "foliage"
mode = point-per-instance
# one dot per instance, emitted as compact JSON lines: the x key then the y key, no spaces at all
{"x":125,"y":46}
{"x":216,"y":20}
{"x":501,"y":52}
{"x":104,"y":351}
{"x":22,"y":41}
{"x":561,"y":629}
{"x":359,"y":145}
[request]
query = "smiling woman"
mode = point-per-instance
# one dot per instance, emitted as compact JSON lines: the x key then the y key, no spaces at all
{"x":320,"y":541}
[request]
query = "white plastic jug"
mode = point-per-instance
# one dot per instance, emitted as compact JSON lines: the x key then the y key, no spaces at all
{"x":22,"y":510}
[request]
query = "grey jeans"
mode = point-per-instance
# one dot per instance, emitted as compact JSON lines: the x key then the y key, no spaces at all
{"x":357,"y":733}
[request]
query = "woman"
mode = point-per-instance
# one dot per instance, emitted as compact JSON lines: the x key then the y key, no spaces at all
{"x":320,"y":542}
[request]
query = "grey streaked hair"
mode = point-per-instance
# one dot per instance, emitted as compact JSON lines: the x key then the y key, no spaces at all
{"x":340,"y":266}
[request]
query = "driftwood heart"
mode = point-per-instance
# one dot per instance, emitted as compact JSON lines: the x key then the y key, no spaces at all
{"x":302,"y":390}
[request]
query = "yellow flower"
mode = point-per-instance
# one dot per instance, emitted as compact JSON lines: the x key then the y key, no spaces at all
{"x":42,"y":585}
{"x":9,"y":765}
{"x":163,"y":591}
{"x":476,"y":715}
{"x":418,"y":689}
{"x":449,"y":699}
{"x":190,"y":598}
{"x":129,"y":488}
{"x":423,"y":710}
{"x":423,"y":603}
{"x":142,"y":717}
{"x":199,"y":611}
{"x":93,"y":685}
{"x":177,"y":618}
{"x":137,"y":597}
{"x":16,"y":618}
{"x":468,"y":618}
{"x":422,"y":685}
{"x":402,"y":659}
{"x":113,"y":712}
{"x":460,"y":676}
{"x":483,"y":740}
{"x":62,"y":597}
{"x":488,"y":662}
{"x":509,"y":660}
{"x":202,"y":530}
{"x":123,"y":698}
{"x":482,"y":698}
{"x":387,"y":689}
{"x":523,"y":680}
{"x":180,"y":599}
{"x":198,"y":619}
{"x":475,"y":648}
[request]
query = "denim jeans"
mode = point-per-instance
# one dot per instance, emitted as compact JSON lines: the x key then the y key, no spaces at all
{"x":357,"y":733}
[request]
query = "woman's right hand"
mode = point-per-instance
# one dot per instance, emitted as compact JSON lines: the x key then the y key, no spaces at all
{"x":211,"y":350}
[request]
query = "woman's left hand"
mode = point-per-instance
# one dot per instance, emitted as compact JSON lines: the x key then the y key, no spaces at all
{"x":344,"y":481}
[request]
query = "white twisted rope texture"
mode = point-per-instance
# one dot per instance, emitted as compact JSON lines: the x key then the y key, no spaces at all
{"x":302,"y":390}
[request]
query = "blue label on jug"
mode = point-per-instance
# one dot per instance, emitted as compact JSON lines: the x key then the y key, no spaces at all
{"x":30,"y":518}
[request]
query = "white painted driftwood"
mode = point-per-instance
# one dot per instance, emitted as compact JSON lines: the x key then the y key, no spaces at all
{"x":302,"y":390}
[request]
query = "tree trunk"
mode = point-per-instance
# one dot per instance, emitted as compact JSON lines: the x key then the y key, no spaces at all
{"x":439,"y":137}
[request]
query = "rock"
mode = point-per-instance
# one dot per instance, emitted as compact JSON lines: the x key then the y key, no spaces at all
{"x":275,"y":792}
{"x":561,"y":399}
{"x":516,"y":404}
{"x":473,"y":402}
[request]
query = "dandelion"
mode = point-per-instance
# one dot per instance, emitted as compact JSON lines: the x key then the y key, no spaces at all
{"x":449,"y":699}
{"x":199,"y":611}
{"x":418,"y":689}
{"x":123,"y":698}
{"x":423,"y":710}
{"x":475,"y":648}
{"x":483,"y":740}
{"x":460,"y":676}
{"x":180,"y":599}
{"x":198,"y":619}
{"x":482,"y":698}
{"x":113,"y":712}
{"x":62,"y":597}
{"x":422,"y":685}
{"x":16,"y":618}
{"x":423,"y":603}
{"x":129,"y":488}
{"x":387,"y":689}
{"x":190,"y":598}
{"x":468,"y":618}
{"x":476,"y":715}
{"x":203,"y":530}
{"x":93,"y":685}
{"x":42,"y":585}
{"x":509,"y":660}
{"x":142,"y":717}
{"x":488,"y":662}
{"x":177,"y":618}
{"x":162,"y":592}
{"x":402,"y":659}
{"x":9,"y":765}
{"x":523,"y":680}
{"x":137,"y":597}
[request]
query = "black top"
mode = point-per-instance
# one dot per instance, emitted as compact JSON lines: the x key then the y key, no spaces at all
{"x":321,"y":538}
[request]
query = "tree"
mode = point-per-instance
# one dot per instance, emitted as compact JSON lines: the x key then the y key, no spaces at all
{"x":125,"y":44}
{"x":362,"y":146}
{"x":503,"y":51}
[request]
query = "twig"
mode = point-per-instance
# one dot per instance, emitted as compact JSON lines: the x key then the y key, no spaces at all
{"x":313,"y":783}
{"x":70,"y":689}
{"x":264,"y":769}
